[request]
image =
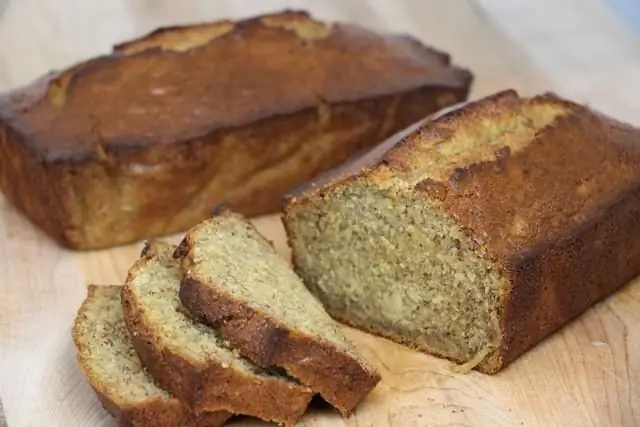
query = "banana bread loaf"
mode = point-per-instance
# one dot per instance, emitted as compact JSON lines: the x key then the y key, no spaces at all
{"x":189,"y":359}
{"x":106,"y":355}
{"x":233,"y":278}
{"x":147,"y":140}
{"x":480,"y":233}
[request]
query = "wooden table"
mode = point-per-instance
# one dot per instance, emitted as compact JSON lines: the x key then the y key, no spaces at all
{"x":586,"y":375}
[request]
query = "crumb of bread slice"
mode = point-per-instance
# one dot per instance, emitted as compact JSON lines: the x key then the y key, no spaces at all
{"x":106,"y":356}
{"x":190,"y":359}
{"x":233,"y":278}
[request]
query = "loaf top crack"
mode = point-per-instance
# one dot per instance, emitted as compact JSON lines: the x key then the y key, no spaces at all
{"x":181,"y":83}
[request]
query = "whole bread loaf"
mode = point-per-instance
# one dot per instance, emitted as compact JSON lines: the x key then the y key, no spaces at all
{"x":127,"y":391}
{"x":481,"y":232}
{"x":147,"y":140}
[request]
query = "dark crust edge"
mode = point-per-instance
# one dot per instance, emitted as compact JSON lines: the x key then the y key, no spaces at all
{"x":590,"y":277}
{"x":164,"y":412}
{"x":340,"y":379}
{"x":209,"y":387}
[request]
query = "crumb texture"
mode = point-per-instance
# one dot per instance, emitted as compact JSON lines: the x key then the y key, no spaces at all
{"x":156,"y":287}
{"x":395,"y":264}
{"x":233,"y":257}
{"x":107,"y":352}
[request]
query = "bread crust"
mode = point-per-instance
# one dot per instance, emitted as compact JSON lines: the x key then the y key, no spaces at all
{"x":210,"y":386}
{"x":340,"y":379}
{"x":154,"y":162}
{"x":161,"y":412}
{"x":571,"y":241}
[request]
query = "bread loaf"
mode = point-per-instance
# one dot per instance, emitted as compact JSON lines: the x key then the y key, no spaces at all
{"x":233,"y":278}
{"x":145,"y":141}
{"x":480,"y":233}
{"x":106,"y":356}
{"x":189,"y":359}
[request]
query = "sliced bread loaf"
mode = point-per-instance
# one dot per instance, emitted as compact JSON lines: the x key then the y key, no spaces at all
{"x":480,"y":233}
{"x":233,"y":278}
{"x":189,"y":359}
{"x":107,"y":357}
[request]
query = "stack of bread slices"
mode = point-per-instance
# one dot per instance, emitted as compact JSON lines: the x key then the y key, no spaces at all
{"x":217,"y":326}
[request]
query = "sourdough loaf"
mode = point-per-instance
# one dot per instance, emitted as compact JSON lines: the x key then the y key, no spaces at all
{"x":480,"y":233}
{"x":189,"y":359}
{"x":233,"y":278}
{"x":147,"y":140}
{"x":107,"y":357}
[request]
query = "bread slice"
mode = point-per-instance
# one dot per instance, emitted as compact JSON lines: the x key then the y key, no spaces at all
{"x":189,"y":359}
{"x":107,"y":357}
{"x":233,"y":278}
{"x":481,"y":232}
{"x":144,"y":140}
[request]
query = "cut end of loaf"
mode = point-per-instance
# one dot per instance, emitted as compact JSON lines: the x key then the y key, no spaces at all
{"x":392,"y":263}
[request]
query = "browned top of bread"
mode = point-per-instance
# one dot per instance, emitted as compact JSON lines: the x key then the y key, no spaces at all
{"x":181,"y":83}
{"x":516,"y":173}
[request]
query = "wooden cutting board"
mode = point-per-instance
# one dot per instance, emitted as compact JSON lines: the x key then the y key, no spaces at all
{"x":586,"y":375}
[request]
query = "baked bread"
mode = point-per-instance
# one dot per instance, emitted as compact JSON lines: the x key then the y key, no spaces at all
{"x":189,"y":359}
{"x":106,"y":355}
{"x":479,"y":234}
{"x":145,"y":141}
{"x":233,"y":278}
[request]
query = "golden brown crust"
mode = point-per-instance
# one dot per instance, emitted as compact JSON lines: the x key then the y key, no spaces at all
{"x":341,"y":379}
{"x":59,"y":127}
{"x":553,"y":284}
{"x":155,"y":161}
{"x":161,"y":412}
{"x":559,"y":215}
{"x":210,"y":386}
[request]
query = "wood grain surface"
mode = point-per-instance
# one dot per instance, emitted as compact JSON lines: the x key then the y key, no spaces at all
{"x":586,"y":375}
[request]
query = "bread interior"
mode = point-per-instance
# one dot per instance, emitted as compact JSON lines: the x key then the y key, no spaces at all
{"x":106,"y":348}
{"x":392,"y":262}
